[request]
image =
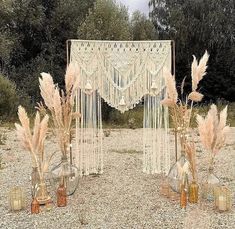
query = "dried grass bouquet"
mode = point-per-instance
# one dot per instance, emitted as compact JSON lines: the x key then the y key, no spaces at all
{"x":33,"y":141}
{"x":181,"y":110}
{"x":60,"y":104}
{"x":213,"y":131}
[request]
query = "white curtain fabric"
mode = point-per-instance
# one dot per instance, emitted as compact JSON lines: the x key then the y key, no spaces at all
{"x":122,"y":73}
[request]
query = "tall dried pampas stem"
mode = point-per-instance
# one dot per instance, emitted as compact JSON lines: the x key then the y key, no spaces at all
{"x":60,"y":104}
{"x":198,"y":70}
{"x":181,"y":110}
{"x":213,"y":130}
{"x":33,"y":143}
{"x":191,"y":153}
{"x":170,"y":86}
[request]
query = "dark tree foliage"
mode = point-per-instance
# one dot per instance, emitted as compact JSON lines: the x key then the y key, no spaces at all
{"x":197,"y":25}
{"x":142,"y":28}
{"x":33,"y":36}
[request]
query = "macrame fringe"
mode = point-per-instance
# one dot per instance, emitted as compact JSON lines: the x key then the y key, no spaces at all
{"x":121,"y":73}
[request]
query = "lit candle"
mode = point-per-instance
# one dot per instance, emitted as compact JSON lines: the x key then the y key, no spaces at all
{"x":16,"y":199}
{"x":17,"y":205}
{"x":222,"y":203}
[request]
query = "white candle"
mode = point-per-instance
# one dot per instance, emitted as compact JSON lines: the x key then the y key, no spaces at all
{"x":222,"y":203}
{"x":16,"y":205}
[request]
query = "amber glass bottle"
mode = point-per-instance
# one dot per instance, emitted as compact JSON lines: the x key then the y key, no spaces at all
{"x":61,"y":195}
{"x":193,"y":192}
{"x":183,"y":197}
{"x":35,"y":206}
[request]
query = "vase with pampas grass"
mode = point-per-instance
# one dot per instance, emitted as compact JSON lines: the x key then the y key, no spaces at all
{"x":59,"y":105}
{"x":190,"y":150}
{"x":212,"y":131}
{"x":33,"y":142}
{"x":181,"y":113}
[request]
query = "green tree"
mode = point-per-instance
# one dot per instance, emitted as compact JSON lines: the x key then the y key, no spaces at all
{"x":106,"y":21}
{"x":142,"y":28}
{"x":33,"y":39}
{"x":6,"y":41}
{"x":197,"y":25}
{"x":9,"y":99}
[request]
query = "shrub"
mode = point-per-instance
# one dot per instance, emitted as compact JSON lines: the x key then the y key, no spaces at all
{"x":9,"y":99}
{"x":129,"y":119}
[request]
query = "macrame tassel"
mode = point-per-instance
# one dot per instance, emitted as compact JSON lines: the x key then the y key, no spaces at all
{"x":154,"y":87}
{"x":88,"y":87}
{"x":122,"y":104}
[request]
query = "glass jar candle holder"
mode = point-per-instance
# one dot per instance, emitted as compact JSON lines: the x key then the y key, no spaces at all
{"x":222,"y":199}
{"x":16,"y":199}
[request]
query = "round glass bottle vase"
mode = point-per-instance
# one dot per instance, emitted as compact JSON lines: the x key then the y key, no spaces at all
{"x":68,"y":172}
{"x":174,"y":177}
{"x":209,"y":185}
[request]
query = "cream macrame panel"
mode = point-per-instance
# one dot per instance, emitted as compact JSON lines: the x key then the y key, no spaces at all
{"x":122,"y":73}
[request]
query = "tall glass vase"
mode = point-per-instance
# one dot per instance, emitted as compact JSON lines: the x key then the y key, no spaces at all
{"x":68,"y":172}
{"x":39,"y":187}
{"x":35,"y":179}
{"x":174,"y":177}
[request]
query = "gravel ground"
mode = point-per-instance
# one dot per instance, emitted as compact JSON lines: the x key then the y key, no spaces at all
{"x":122,"y":197}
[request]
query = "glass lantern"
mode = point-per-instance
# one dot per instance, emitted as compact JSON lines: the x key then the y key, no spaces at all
{"x":222,"y":199}
{"x":153,"y":88}
{"x":16,"y":199}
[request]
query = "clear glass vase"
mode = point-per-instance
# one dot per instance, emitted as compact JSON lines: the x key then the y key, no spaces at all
{"x":68,"y":173}
{"x":173,"y":177}
{"x":39,"y":187}
{"x":209,"y":185}
{"x":42,"y":194}
{"x":35,"y":180}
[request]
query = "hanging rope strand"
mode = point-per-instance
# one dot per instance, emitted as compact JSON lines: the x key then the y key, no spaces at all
{"x":121,"y":72}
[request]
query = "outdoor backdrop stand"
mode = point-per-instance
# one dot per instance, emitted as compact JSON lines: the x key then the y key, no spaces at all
{"x":122,"y":73}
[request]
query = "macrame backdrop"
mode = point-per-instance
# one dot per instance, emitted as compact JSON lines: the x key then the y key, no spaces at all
{"x":122,"y":73}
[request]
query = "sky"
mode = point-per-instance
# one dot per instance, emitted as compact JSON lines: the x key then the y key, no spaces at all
{"x":141,"y":5}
